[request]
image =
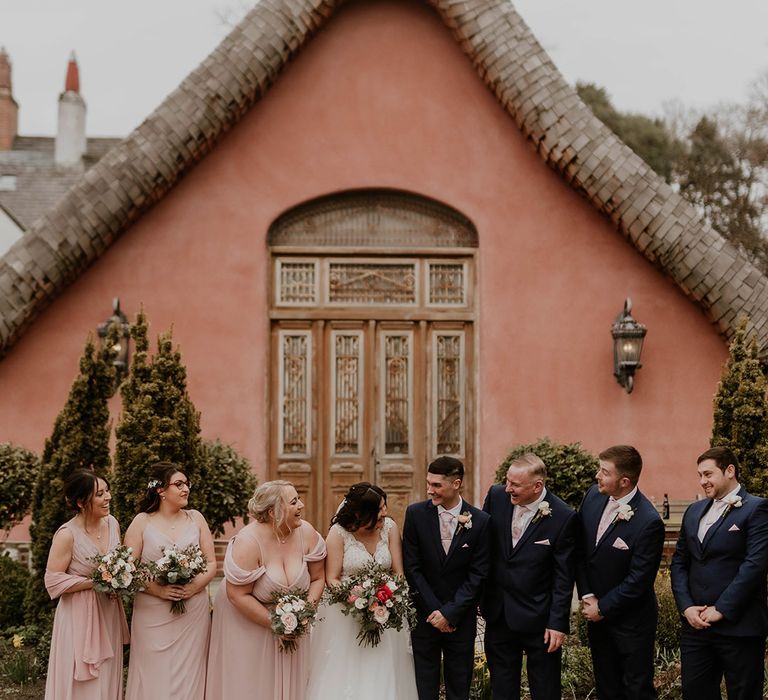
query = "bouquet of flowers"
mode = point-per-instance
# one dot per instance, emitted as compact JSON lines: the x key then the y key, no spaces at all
{"x":117,"y":573}
{"x":291,"y":617}
{"x":378,"y":599}
{"x":177,"y":567}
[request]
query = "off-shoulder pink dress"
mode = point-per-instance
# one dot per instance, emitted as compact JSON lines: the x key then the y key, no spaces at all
{"x":89,"y":630}
{"x":244,"y":660}
{"x":168,"y":652}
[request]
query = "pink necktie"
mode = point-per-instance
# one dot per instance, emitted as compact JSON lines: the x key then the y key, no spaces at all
{"x":446,"y":529}
{"x":517,"y":524}
{"x":611,"y":508}
{"x":714,"y":512}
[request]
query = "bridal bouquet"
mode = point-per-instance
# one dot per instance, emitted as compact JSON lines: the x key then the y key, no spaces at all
{"x":117,"y":573}
{"x":291,"y":617}
{"x":177,"y":567}
{"x":378,"y":599}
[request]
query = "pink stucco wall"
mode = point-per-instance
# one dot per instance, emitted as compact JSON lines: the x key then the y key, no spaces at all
{"x":383,"y":97}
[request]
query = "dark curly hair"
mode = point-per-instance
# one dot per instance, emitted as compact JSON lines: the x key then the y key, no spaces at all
{"x":360,"y":507}
{"x":159,"y":472}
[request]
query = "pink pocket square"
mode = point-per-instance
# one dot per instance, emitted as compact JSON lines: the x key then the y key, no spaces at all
{"x":620,"y":544}
{"x":547,"y":542}
{"x":734,"y":528}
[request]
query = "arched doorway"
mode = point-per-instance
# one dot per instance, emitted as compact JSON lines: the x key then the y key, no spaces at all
{"x":372,"y":346}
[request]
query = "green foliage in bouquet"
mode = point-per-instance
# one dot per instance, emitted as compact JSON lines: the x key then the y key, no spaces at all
{"x":18,"y":473}
{"x":570,"y":468}
{"x":377,"y":599}
{"x":80,"y":439}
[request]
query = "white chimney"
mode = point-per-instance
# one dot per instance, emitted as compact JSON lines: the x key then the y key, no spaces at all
{"x":70,"y":136}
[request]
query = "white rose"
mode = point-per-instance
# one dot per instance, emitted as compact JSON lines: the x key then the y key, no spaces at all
{"x":361,"y":603}
{"x":389,"y":603}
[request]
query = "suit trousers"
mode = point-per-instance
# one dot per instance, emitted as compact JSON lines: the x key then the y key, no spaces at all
{"x":707,"y":657}
{"x":504,"y":650}
{"x":622,"y":657}
{"x":457,"y":651}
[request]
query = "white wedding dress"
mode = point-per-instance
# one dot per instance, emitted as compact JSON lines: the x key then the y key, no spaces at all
{"x":340,"y":669}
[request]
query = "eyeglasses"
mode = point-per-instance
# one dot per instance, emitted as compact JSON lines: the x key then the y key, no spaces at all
{"x":181,"y":483}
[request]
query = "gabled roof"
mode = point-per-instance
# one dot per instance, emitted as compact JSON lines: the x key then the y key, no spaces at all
{"x":184,"y":128}
{"x":40,"y":183}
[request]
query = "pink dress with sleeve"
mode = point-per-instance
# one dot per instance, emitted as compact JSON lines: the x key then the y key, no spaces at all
{"x":89,"y":629}
{"x":244,"y":659}
{"x":168,"y":652}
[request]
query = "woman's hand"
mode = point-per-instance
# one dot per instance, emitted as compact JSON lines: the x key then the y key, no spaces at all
{"x":165,"y":592}
{"x":194,"y":587}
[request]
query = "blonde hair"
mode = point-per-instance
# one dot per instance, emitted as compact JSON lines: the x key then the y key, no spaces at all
{"x":269,"y":497}
{"x":533,"y":463}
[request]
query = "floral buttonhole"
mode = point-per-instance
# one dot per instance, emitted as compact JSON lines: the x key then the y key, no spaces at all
{"x":465,"y":520}
{"x":624,"y":513}
{"x":543,"y":511}
{"x":731,"y":502}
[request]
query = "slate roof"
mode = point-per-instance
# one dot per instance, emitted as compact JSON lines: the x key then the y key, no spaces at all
{"x":184,"y":128}
{"x":40,"y":183}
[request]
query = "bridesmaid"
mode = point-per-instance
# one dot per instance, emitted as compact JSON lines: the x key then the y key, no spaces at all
{"x":278,"y":552}
{"x":89,"y":629}
{"x":168,"y":651}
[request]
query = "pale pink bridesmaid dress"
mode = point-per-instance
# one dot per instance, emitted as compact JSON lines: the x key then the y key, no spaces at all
{"x":244,"y":660}
{"x":168,"y":652}
{"x":89,"y":630}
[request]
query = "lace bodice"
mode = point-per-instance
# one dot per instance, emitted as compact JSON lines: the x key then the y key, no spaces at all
{"x":356,"y":556}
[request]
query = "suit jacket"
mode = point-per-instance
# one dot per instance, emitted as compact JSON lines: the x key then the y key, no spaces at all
{"x":450,"y":583}
{"x":621,"y":568}
{"x":728,"y":568}
{"x":531,"y":584}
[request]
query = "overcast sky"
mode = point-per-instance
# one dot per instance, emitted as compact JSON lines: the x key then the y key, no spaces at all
{"x":132,"y":54}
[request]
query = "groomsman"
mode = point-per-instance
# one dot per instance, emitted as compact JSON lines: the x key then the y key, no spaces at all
{"x":718,"y":578}
{"x":446,"y":559}
{"x":527,"y":598}
{"x":621,"y":541}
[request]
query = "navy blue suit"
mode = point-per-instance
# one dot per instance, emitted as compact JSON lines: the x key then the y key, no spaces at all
{"x":620,"y":570}
{"x":529,"y":589}
{"x":451,"y":583}
{"x":728,"y":571}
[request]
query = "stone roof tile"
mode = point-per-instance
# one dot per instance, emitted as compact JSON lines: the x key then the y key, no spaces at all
{"x":142,"y":168}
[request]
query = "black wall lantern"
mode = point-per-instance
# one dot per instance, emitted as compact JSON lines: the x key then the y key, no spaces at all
{"x":122,"y":347}
{"x":628,"y":336}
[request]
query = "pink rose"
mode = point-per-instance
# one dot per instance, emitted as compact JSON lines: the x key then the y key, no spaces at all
{"x":289,"y":622}
{"x":381,"y":614}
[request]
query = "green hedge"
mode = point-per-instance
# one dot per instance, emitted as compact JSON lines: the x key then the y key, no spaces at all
{"x":570,"y":468}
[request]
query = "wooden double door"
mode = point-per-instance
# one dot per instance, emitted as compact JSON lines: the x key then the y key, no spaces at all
{"x":368,"y":400}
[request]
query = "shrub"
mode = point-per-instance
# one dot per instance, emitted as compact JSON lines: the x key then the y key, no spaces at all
{"x":158,"y":422}
{"x":227,"y":483}
{"x":14,"y":581}
{"x":669,"y":624}
{"x":577,"y":677}
{"x":18,"y":472}
{"x":740,"y":418}
{"x":80,"y":439}
{"x":570,"y":468}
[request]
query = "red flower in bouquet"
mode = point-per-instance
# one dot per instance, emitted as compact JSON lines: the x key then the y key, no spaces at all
{"x":378,"y":599}
{"x":383,"y":593}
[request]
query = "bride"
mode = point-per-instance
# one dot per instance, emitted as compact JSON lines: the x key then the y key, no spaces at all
{"x":360,"y":533}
